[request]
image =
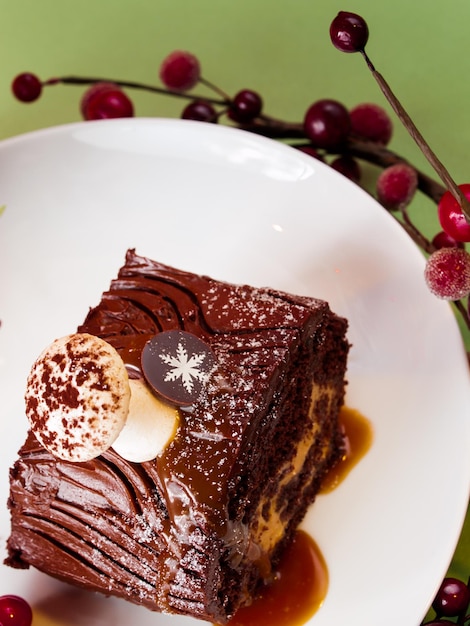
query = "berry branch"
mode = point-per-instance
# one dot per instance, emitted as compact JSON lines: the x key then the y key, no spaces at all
{"x":343,"y":139}
{"x":264,"y":125}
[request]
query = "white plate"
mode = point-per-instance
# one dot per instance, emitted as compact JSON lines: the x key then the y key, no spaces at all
{"x":245,"y":209}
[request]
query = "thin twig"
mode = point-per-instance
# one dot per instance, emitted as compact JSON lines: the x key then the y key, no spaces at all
{"x":416,"y":234}
{"x":127,"y":84}
{"x":410,"y":126}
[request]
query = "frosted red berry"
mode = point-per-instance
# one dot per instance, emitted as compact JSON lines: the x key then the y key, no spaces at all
{"x":451,"y":216}
{"x":246,"y":105}
{"x":26,"y":87}
{"x":452,"y":599}
{"x":180,"y":71}
{"x":15,"y":611}
{"x":327,"y":123}
{"x":371,"y":122}
{"x":396,"y":186}
{"x":447,"y":273}
{"x":107,"y":103}
{"x":200,"y":111}
{"x":349,"y":32}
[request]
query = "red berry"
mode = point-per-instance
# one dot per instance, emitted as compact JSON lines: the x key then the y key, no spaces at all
{"x":245,"y":106}
{"x":311,"y":151}
{"x":26,"y":87}
{"x":200,"y":111}
{"x":96,"y":88}
{"x":443,"y":240}
{"x":452,"y":599}
{"x":107,"y":104}
{"x":180,"y":71}
{"x":371,"y":123}
{"x":451,"y":216}
{"x":447,"y":273}
{"x":14,"y":611}
{"x":396,"y":186}
{"x":349,"y":32}
{"x":327,"y":123}
{"x":347,"y":166}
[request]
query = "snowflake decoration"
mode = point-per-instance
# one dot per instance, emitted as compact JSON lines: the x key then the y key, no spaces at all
{"x":177,"y":364}
{"x":188,"y":369}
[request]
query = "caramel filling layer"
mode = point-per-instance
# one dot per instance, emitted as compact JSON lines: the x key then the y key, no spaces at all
{"x":270,"y":523}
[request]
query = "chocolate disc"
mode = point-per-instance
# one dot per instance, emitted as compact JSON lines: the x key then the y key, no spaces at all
{"x":177,"y":364}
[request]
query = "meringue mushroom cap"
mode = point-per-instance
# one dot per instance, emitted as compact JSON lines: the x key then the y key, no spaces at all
{"x":77,"y":397}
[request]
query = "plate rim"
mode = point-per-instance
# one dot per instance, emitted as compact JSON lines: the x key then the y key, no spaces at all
{"x":67,"y":128}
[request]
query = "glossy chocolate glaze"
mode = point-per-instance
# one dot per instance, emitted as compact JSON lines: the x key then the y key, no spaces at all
{"x":177,"y":534}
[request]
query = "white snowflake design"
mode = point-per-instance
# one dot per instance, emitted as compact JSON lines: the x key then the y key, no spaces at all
{"x":188,"y":369}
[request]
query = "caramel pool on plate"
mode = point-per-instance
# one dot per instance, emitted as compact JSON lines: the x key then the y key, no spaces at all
{"x":301,"y":582}
{"x":297,"y":591}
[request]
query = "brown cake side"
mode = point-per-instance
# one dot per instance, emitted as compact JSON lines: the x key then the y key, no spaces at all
{"x":195,"y":530}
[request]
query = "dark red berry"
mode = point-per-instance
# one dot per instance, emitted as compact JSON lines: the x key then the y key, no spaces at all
{"x":26,"y":87}
{"x":371,"y":122}
{"x":349,"y":32}
{"x":91,"y":92}
{"x":245,"y":106}
{"x":452,"y":599}
{"x":396,"y":186}
{"x":200,"y":111}
{"x":443,"y":240}
{"x":108,"y":104}
{"x":311,"y":151}
{"x":347,"y":166}
{"x":14,"y":611}
{"x":327,"y":123}
{"x":451,"y":216}
{"x":180,"y":71}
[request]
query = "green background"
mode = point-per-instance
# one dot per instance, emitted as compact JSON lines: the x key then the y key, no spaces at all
{"x":282,"y":49}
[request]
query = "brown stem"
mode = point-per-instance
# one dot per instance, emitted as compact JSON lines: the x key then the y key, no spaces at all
{"x":415,"y":234}
{"x":383,"y":157}
{"x":215,"y":89}
{"x":373,"y":153}
{"x":127,"y":84}
{"x":274,"y":128}
{"x":410,"y":126}
{"x":462,"y":309}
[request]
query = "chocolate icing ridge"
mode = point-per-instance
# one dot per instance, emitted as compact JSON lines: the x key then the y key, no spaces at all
{"x":279,"y":309}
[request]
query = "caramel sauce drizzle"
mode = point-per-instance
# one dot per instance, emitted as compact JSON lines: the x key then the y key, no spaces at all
{"x":301,"y":582}
{"x":358,"y":437}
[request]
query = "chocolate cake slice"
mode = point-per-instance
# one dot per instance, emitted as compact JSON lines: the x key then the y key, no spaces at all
{"x":194,"y":530}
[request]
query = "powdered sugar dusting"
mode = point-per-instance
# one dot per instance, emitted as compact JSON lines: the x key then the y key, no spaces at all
{"x":255,"y":306}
